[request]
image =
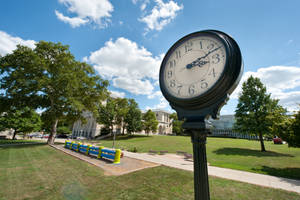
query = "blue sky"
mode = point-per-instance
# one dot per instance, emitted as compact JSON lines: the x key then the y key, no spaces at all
{"x":126,"y":40}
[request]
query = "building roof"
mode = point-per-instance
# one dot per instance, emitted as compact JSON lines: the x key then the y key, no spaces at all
{"x":160,"y":110}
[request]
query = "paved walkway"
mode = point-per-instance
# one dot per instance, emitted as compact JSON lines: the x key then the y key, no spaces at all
{"x":177,"y":161}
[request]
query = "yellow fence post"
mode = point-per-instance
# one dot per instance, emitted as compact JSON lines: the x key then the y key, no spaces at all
{"x":78,"y":145}
{"x":87,"y":149}
{"x":117,"y":156}
{"x":71,"y":144}
{"x":100,"y":151}
{"x":66,"y":142}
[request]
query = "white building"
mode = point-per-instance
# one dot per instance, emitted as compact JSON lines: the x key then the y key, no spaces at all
{"x":223,"y":127}
{"x":90,"y":129}
{"x":164,"y":121}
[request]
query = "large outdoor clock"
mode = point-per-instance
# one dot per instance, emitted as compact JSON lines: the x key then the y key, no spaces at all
{"x":199,"y":72}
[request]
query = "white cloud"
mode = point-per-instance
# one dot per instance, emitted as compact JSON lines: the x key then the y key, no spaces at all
{"x":73,"y":21}
{"x":161,"y":15}
{"x":129,"y":66}
{"x":155,"y":94}
{"x":117,"y":94}
{"x":163,"y":105}
{"x":125,"y":58}
{"x":281,"y":81}
{"x":134,"y":86}
{"x":87,"y":11}
{"x":9,"y":43}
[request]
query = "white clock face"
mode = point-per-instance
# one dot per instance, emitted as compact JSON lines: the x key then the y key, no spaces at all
{"x":194,"y":67}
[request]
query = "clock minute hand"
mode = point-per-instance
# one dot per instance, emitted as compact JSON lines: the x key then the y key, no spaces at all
{"x":197,"y":61}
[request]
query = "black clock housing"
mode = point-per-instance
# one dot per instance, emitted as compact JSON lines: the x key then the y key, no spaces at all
{"x":210,"y":102}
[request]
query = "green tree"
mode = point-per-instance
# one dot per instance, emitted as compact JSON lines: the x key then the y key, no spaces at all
{"x":149,"y":122}
{"x":122,"y":107}
{"x":254,"y":109}
{"x":23,"y":121}
{"x":176,"y":124}
{"x":63,"y":126}
{"x":63,"y":130}
{"x":107,"y":114}
{"x":49,"y":77}
{"x":277,"y":119}
{"x":133,"y":118}
{"x":294,"y":139}
{"x":289,"y":131}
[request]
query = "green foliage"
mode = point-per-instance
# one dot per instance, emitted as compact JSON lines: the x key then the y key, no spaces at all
{"x":149,"y":122}
{"x":63,"y":130}
{"x":176,"y":124}
{"x":133,"y":118}
{"x":23,"y":121}
{"x":122,"y":108}
{"x":289,"y":131}
{"x":256,"y":110}
{"x":49,"y":77}
{"x":63,"y":126}
{"x":107,"y":114}
{"x":295,"y":137}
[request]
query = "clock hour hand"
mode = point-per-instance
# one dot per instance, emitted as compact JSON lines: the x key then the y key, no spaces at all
{"x":199,"y":62}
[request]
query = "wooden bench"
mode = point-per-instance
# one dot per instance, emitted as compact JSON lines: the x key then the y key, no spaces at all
{"x":181,"y":152}
{"x":163,"y":152}
{"x":188,"y":156}
{"x":152,"y":152}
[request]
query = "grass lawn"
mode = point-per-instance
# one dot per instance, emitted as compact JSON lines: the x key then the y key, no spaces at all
{"x":41,"y":172}
{"x":9,"y":141}
{"x":241,"y":154}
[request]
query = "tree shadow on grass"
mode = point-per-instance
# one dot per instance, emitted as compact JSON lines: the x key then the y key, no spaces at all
{"x":288,"y":172}
{"x":249,"y":152}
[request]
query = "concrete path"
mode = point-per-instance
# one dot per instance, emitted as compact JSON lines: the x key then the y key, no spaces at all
{"x":178,"y":161}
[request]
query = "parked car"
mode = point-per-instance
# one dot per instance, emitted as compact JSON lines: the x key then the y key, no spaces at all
{"x":81,"y":138}
{"x":61,"y":136}
{"x":46,"y":136}
{"x":277,"y":140}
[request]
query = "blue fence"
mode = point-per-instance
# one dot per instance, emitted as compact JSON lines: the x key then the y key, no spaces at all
{"x":99,"y":152}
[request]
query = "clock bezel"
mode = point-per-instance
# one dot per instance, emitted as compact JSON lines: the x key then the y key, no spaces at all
{"x":224,"y":85}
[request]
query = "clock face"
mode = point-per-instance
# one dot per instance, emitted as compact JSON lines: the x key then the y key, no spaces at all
{"x":194,"y":66}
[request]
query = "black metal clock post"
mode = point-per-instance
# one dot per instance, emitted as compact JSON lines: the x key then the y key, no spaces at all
{"x":201,"y":184}
{"x":195,"y":109}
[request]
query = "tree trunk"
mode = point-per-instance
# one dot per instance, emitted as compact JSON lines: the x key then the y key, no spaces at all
{"x":262,"y":145}
{"x":123,"y":131}
{"x":53,"y":132}
{"x":14,"y":135}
